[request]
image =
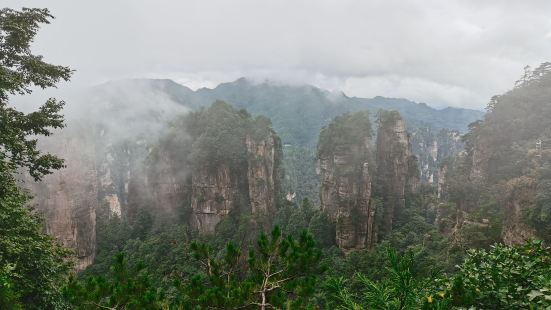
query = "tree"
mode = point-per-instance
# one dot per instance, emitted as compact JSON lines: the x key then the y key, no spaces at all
{"x":8,"y":298}
{"x":504,"y":277}
{"x":20,"y":70}
{"x":36,"y":262}
{"x":38,"y":265}
{"x":399,"y":289}
{"x":279,"y":272}
{"x":125,"y":288}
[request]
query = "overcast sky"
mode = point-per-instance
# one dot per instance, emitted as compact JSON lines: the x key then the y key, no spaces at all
{"x":453,"y":52}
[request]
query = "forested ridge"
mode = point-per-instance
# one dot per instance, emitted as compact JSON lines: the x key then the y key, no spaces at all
{"x":208,"y":220}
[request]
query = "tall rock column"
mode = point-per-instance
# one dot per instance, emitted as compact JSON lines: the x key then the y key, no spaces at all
{"x":392,"y":165}
{"x":345,"y":192}
{"x":236,"y":167}
{"x":264,"y":155}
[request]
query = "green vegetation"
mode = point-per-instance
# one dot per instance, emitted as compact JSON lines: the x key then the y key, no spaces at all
{"x":216,"y":135}
{"x":32,"y":265}
{"x":287,"y":106}
{"x":298,"y":113}
{"x":278,"y":272}
{"x":294,"y":219}
{"x":502,"y":277}
{"x":501,"y":183}
{"x":124,"y":288}
{"x":300,"y":173}
{"x":287,"y":272}
{"x":399,"y":289}
{"x":345,"y":130}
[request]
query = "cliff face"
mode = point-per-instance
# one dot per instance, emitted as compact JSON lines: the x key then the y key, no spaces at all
{"x":214,"y":195}
{"x":518,"y":194}
{"x":263,"y":158}
{"x":104,"y":146}
{"x":68,"y":198}
{"x":120,"y":165}
{"x":413,"y":176}
{"x":164,"y":189}
{"x":109,"y":177}
{"x":345,"y":192}
{"x":503,"y":176}
{"x":345,"y":195}
{"x":442,"y":188}
{"x":217,"y":191}
{"x":344,"y":153}
{"x":229,"y":164}
{"x":102,"y":178}
{"x":118,"y":173}
{"x":432,"y":148}
{"x":392,"y":165}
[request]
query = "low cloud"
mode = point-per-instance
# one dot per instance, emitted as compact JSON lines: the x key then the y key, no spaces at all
{"x":441,"y":52}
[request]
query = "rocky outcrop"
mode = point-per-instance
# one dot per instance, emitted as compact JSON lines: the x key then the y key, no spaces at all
{"x":102,"y":178}
{"x":504,"y":170}
{"x":217,"y":191}
{"x":68,"y":198}
{"x":166,"y":187}
{"x":214,"y":195}
{"x":517,"y":195}
{"x":345,"y":195}
{"x":345,"y":191}
{"x":413,"y":180}
{"x":235,"y":167}
{"x":432,"y":148}
{"x":392,"y":165}
{"x":107,"y":138}
{"x":116,"y":162}
{"x":263,"y":158}
{"x":442,"y":187}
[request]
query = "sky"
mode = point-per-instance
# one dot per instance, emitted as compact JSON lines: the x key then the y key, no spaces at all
{"x":444,"y":53}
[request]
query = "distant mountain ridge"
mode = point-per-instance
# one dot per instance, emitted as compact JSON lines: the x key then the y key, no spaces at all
{"x":298,"y":112}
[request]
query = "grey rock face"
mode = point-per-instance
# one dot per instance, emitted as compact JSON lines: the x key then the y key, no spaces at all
{"x":217,"y":191}
{"x":68,"y":198}
{"x":392,"y":164}
{"x":261,"y":174}
{"x":213,"y":196}
{"x":345,"y":194}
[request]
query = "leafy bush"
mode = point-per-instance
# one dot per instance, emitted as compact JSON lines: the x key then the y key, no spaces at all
{"x":504,"y":277}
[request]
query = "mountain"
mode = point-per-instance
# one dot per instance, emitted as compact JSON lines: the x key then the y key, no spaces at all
{"x":298,"y":112}
{"x":113,"y":130}
{"x":503,"y":180}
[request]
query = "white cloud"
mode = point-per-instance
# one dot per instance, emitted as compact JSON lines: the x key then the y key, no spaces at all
{"x":457,"y":52}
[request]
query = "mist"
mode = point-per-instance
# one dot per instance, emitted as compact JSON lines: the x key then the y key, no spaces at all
{"x":452,"y":53}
